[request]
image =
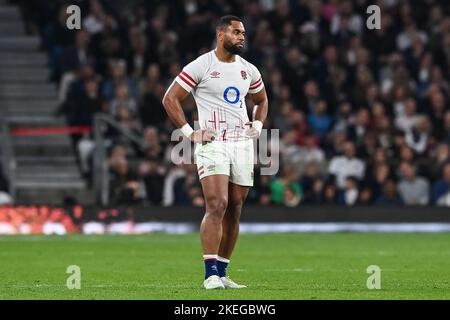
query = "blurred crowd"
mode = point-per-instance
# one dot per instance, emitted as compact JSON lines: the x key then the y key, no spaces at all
{"x":363,"y":114}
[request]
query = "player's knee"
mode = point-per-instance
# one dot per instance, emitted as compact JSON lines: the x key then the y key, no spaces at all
{"x":234,"y":212}
{"x":217,"y":205}
{"x":212,"y":218}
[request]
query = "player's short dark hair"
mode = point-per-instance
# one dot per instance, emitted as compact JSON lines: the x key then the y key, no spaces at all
{"x":225,"y":21}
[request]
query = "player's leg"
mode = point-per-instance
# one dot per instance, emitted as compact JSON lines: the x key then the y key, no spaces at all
{"x":230,"y":223}
{"x":230,"y":231}
{"x":215,"y":191}
{"x":241,"y":179}
{"x":213,"y":171}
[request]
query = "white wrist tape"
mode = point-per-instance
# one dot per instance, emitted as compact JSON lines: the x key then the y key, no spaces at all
{"x":187,"y":130}
{"x":257,"y":125}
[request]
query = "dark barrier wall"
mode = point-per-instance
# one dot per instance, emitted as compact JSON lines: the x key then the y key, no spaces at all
{"x":304,"y":214}
{"x":76,"y":215}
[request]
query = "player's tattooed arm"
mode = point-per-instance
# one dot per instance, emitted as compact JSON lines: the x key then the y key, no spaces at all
{"x":172,"y":104}
{"x":259,"y":113}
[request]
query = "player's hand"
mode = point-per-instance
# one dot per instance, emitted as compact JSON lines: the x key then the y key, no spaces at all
{"x":203,"y":136}
{"x":254,"y":130}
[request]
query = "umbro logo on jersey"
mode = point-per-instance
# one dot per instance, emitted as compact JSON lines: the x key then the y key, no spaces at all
{"x":215,"y":74}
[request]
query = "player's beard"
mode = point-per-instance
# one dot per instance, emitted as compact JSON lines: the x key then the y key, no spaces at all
{"x":231,"y":48}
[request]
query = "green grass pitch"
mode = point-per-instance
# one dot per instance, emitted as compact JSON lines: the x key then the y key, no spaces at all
{"x":274,"y":266}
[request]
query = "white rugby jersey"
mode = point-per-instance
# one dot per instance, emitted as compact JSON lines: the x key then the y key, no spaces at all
{"x":219,"y":90}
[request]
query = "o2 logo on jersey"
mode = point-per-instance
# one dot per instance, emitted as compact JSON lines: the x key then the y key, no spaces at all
{"x":232,"y":95}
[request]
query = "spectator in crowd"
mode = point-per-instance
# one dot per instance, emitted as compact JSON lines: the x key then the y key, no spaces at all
{"x":441,"y":188}
{"x":151,"y":110}
{"x":181,"y":186}
{"x":417,"y":137}
{"x":308,"y":180}
{"x":407,"y":120}
{"x":118,"y":77}
{"x":261,"y":193}
{"x":311,"y":95}
{"x":436,"y":159}
{"x":437,"y":104}
{"x":283,"y":121}
{"x":330,"y":194}
{"x":319,"y":120}
{"x":349,"y":195}
{"x":413,"y":189}
{"x":152,"y":175}
{"x":343,"y":118}
{"x":346,"y":165}
{"x":357,"y":131}
{"x":125,"y":187}
{"x":80,"y":109}
{"x":365,"y":196}
{"x":316,"y":193}
{"x":290,"y":151}
{"x":97,"y":18}
{"x":127,"y":119}
{"x":153,"y":148}
{"x":122,"y":99}
{"x":286,"y":190}
{"x":84,"y":104}
{"x":310,"y":153}
{"x":174,"y":177}
{"x":72,"y":61}
{"x":389,"y":197}
{"x":379,"y":174}
{"x":345,"y":10}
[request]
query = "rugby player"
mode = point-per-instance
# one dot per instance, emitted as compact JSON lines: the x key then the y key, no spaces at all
{"x":219,"y":81}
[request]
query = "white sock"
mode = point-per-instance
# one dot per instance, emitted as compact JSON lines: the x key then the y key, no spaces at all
{"x":221,"y":259}
{"x":210,"y":256}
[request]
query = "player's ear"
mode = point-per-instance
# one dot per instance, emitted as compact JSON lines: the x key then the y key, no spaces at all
{"x":219,"y":34}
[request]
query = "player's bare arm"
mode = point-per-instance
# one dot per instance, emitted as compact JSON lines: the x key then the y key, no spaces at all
{"x":260,"y":113}
{"x":172,"y":104}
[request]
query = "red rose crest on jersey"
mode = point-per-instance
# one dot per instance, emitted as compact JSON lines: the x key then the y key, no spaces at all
{"x":215,"y":74}
{"x":244,"y":75}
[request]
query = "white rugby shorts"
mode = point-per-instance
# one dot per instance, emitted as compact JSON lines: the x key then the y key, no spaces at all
{"x":234,"y":159}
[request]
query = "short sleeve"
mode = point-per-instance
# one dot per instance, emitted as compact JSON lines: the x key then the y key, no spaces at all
{"x":192,"y":74}
{"x":257,"y":83}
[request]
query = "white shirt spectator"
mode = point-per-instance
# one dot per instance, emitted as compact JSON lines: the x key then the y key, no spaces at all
{"x":95,"y":24}
{"x":414,"y":192}
{"x":92,"y":24}
{"x":417,"y":143}
{"x":351,"y":196}
{"x":309,"y":155}
{"x":405,"y":122}
{"x":405,"y":39}
{"x":343,"y":167}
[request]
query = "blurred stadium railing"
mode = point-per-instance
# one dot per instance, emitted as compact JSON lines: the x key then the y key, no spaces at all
{"x":102,"y":124}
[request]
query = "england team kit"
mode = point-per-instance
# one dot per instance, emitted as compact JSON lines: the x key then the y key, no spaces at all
{"x":219,"y":90}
